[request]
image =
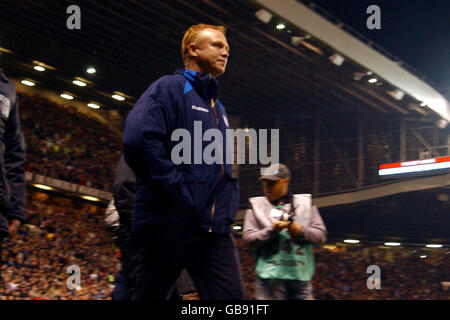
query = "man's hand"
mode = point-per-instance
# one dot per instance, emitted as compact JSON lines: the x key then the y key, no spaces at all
{"x":280,"y":225}
{"x":294,"y":229}
{"x":14,"y":225}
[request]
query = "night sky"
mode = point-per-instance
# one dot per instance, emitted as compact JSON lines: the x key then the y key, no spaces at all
{"x":416,"y":31}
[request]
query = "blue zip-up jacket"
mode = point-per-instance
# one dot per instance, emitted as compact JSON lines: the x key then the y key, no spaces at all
{"x":166,"y":192}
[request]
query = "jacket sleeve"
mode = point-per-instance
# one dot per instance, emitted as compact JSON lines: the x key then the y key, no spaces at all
{"x":124,"y":191}
{"x":15,"y":165}
{"x":315,"y":232}
{"x":253,"y":236}
{"x":146,"y":138}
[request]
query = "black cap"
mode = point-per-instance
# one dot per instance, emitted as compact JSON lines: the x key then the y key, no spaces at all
{"x":276,"y":171}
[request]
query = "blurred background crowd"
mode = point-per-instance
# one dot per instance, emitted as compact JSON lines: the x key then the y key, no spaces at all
{"x":67,"y":145}
{"x":60,"y":233}
{"x":341,"y":273}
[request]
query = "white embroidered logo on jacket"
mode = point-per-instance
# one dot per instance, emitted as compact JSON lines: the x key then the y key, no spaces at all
{"x":194,"y":107}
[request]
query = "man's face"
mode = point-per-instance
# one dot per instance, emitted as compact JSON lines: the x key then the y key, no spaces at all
{"x":211,"y":52}
{"x":275,"y":189}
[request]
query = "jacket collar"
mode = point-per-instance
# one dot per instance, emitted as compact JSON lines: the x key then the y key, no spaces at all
{"x":203,"y":83}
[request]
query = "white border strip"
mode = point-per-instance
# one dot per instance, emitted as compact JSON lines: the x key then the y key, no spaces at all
{"x":416,"y":168}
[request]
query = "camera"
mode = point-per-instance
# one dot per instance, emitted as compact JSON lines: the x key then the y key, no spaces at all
{"x":286,"y":217}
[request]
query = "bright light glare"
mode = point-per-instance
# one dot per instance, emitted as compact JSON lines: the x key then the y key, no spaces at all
{"x":91,"y":70}
{"x":351,"y":241}
{"x":66,"y":96}
{"x":79,"y":83}
{"x":117,"y":97}
{"x":93,"y":106}
{"x":281,"y":26}
{"x":39,"y":68}
{"x":28,"y":83}
{"x":434,"y":245}
{"x":90,"y":198}
{"x":44,"y":187}
{"x":392,"y":244}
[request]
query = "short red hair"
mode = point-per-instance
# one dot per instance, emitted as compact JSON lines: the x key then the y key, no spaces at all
{"x":191,"y":35}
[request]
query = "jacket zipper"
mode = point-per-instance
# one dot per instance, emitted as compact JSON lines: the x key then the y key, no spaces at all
{"x":213,"y":208}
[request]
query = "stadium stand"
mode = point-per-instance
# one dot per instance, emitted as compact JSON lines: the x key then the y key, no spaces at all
{"x":60,"y":233}
{"x":341,"y":274}
{"x":67,"y":145}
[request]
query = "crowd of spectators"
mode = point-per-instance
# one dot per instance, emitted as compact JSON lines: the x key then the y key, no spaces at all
{"x":64,"y":144}
{"x":60,"y":233}
{"x":341,"y":274}
{"x":404,"y":274}
{"x":68,"y":145}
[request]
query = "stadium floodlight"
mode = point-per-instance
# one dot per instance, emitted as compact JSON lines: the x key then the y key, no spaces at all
{"x":423,"y":257}
{"x":357,"y":76}
{"x":337,"y":59}
{"x":373,"y":80}
{"x":297,"y":40}
{"x":416,"y":107}
{"x":396,"y":94}
{"x":42,"y":186}
{"x":280,"y":26}
{"x":351,"y":241}
{"x":392,"y":244}
{"x":93,"y":106}
{"x":66,"y":96}
{"x":441,"y":123}
{"x":28,"y":83}
{"x":237,"y":227}
{"x":91,"y":70}
{"x":263,"y":15}
{"x":434,"y":246}
{"x":79,"y":83}
{"x":117,"y":97}
{"x":39,"y":68}
{"x":414,"y":166}
{"x":90,"y":198}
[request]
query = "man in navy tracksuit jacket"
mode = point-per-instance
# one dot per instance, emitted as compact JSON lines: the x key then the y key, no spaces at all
{"x":183,"y":212}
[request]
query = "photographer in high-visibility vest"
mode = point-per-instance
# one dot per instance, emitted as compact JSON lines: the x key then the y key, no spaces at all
{"x":281,"y":228}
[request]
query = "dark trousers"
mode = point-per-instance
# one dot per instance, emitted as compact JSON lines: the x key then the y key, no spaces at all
{"x":131,"y":261}
{"x":121,"y":290}
{"x":211,"y":260}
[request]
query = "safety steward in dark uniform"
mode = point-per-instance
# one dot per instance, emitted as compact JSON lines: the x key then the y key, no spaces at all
{"x":12,"y":162}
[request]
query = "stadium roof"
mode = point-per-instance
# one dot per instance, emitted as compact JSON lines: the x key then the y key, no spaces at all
{"x":131,"y":43}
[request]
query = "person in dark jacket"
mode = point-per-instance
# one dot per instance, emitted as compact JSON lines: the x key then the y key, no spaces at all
{"x":124,"y":195}
{"x":184,"y":211}
{"x":118,"y":216}
{"x":12,"y":162}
